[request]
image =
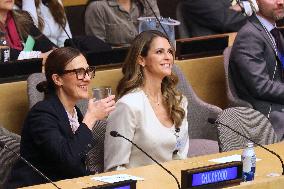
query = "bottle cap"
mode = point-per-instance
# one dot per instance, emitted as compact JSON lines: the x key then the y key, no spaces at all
{"x":249,"y":144}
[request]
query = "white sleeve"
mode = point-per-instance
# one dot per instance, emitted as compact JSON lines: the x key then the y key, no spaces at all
{"x":29,"y":6}
{"x":116,"y":149}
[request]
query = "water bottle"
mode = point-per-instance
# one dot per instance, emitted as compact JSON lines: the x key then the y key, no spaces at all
{"x":249,"y":161}
{"x":4,"y":49}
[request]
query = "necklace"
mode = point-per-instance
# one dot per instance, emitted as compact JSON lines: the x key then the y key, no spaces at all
{"x":155,"y":101}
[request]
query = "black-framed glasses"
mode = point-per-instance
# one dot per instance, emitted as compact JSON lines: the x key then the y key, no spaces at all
{"x":81,"y":72}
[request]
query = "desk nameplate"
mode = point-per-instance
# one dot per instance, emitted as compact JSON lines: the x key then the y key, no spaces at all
{"x":213,"y":176}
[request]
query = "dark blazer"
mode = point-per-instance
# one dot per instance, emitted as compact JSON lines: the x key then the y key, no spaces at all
{"x":252,"y":63}
{"x":207,"y":17}
{"x":50,"y":145}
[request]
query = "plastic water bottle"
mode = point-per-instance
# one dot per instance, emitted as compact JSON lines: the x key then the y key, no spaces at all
{"x":249,"y":161}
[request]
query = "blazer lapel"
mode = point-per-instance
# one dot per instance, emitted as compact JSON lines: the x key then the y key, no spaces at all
{"x":62,"y":115}
{"x":253,"y":19}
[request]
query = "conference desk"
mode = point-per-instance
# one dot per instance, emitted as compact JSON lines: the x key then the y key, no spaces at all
{"x":157,"y":178}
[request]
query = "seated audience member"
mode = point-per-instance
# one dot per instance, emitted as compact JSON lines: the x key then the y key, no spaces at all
{"x":49,"y":16}
{"x":204,"y":17}
{"x":55,"y":135}
{"x":150,"y":111}
{"x":256,"y":63}
{"x":115,"y":21}
{"x":17,"y":26}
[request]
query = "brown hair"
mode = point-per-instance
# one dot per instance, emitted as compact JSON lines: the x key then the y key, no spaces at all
{"x":23,"y":23}
{"x":133,"y":75}
{"x":56,"y":62}
{"x":55,"y":8}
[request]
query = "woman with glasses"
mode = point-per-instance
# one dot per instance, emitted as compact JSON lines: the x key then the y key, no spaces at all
{"x":56,"y":136}
{"x":149,"y":110}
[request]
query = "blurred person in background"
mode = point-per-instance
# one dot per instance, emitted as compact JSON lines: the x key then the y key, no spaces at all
{"x":49,"y":16}
{"x":206,"y":17}
{"x":17,"y":25}
{"x":115,"y":21}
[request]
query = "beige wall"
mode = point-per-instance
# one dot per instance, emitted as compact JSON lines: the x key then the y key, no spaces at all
{"x":206,"y":75}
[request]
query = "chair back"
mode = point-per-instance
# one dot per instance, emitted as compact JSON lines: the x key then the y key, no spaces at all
{"x":197,"y":111}
{"x":182,"y":28}
{"x":8,"y":158}
{"x":34,"y":95}
{"x":248,"y":122}
{"x":233,"y":98}
{"x":95,"y":157}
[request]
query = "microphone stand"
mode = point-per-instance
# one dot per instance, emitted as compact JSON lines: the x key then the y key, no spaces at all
{"x":3,"y":145}
{"x":213,"y":121}
{"x":158,"y":20}
{"x":116,"y":134}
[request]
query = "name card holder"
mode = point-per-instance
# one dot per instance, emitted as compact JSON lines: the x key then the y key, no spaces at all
{"x":128,"y":184}
{"x":213,"y":176}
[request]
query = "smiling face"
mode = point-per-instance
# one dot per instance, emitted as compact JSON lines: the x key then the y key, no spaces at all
{"x":159,"y":59}
{"x":68,"y":86}
{"x":272,"y":10}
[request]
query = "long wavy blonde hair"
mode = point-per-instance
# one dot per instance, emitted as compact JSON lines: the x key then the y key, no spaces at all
{"x":133,"y":76}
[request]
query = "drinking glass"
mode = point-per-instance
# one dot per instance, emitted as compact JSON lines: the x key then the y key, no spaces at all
{"x":101,"y":92}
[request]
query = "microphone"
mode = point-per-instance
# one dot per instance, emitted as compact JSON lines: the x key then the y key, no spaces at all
{"x":4,"y":146}
{"x":214,"y":121}
{"x":116,"y":134}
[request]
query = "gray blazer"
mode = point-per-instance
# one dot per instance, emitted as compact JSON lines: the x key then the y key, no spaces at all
{"x":252,"y":63}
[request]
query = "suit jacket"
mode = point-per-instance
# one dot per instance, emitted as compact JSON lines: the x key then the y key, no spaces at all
{"x":50,"y":145}
{"x":207,"y":17}
{"x":252,"y":64}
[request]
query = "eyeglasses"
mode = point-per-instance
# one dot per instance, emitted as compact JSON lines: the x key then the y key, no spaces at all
{"x":81,"y":72}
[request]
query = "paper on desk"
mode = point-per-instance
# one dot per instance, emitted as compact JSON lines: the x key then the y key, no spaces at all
{"x":231,"y":158}
{"x":116,"y":178}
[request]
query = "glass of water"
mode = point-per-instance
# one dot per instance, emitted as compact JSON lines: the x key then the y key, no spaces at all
{"x":101,"y":92}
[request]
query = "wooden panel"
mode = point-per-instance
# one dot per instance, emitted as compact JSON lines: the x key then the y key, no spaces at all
{"x":14,"y":105}
{"x":206,"y":76}
{"x":74,"y":2}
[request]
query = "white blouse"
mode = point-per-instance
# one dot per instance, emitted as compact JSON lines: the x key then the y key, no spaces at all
{"x":51,"y":29}
{"x":135,"y":119}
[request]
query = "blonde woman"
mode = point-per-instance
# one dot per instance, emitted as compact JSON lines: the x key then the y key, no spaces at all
{"x":149,"y":110}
